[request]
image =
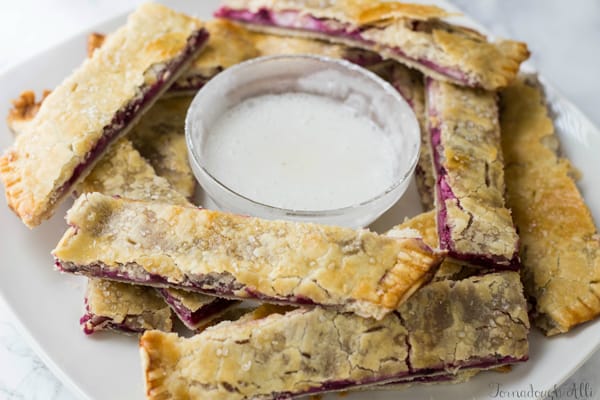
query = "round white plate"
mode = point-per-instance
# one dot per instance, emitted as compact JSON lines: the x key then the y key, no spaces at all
{"x":48,"y":304}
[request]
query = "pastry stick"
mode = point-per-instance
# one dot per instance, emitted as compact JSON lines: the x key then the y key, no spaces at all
{"x":95,"y":106}
{"x":473,"y":223}
{"x":559,"y":242}
{"x":160,"y":136}
{"x":443,"y":327}
{"x":412,"y":34}
{"x":242,"y":257}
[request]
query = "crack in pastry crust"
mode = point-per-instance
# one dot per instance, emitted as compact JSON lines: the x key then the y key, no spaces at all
{"x":559,"y":242}
{"x":135,"y":74}
{"x":473,"y":223}
{"x":319,"y":350}
{"x":411,"y":34}
{"x":243,"y":257}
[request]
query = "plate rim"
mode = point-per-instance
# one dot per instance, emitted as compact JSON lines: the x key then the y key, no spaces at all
{"x":71,"y":384}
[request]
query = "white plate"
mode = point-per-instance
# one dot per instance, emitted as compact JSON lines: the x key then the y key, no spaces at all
{"x":48,"y":304}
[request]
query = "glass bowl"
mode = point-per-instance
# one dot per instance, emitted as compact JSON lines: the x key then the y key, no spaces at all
{"x":339,"y":80}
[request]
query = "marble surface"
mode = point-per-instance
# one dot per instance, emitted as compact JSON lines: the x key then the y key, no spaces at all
{"x":563,"y":36}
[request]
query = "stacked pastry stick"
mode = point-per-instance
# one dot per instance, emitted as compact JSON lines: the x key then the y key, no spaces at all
{"x":436,"y":299}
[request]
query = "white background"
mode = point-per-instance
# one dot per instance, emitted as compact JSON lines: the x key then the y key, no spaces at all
{"x":564,"y":37}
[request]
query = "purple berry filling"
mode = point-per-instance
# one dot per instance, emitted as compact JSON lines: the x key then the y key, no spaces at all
{"x":192,"y":318}
{"x":444,"y":192}
{"x":295,"y":20}
{"x":124,"y":118}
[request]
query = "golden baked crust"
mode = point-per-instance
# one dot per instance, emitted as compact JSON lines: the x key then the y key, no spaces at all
{"x":473,"y":222}
{"x":559,"y":243}
{"x":446,"y":326}
{"x":24,"y":108}
{"x":160,"y":138}
{"x":72,"y":119}
{"x":94,"y":41}
{"x":243,"y":257}
{"x":412,"y":34}
{"x":424,"y":225}
{"x":132,"y":308}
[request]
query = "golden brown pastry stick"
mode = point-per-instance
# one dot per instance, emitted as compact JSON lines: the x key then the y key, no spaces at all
{"x":474,"y":224}
{"x":412,"y":34}
{"x":559,"y":242}
{"x":242,"y":257}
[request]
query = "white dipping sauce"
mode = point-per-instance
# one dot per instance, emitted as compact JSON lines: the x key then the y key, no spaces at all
{"x":299,"y":151}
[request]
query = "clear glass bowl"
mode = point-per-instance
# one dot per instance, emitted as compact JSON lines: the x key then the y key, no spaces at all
{"x":335,"y":79}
